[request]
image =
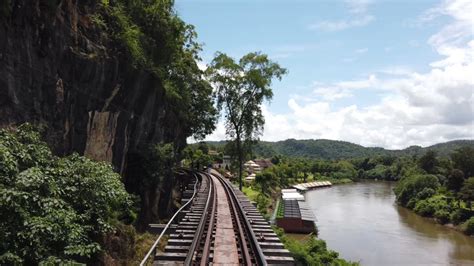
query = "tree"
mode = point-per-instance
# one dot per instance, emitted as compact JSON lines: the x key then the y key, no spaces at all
{"x":265,"y":180}
{"x":467,"y":191}
{"x":463,"y":159}
{"x":240,"y":89}
{"x":455,"y":180}
{"x":428,"y":161}
{"x":54,"y":210}
{"x":409,"y":186}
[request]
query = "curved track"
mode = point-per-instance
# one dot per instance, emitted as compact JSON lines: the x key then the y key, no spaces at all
{"x":221,"y":227}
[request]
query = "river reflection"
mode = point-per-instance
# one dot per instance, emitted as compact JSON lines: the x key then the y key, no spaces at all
{"x":362,"y":223}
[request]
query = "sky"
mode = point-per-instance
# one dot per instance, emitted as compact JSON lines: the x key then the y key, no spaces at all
{"x":381,"y":73}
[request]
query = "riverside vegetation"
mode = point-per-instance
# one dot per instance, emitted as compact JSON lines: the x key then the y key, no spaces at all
{"x":441,"y":188}
{"x":437,"y":184}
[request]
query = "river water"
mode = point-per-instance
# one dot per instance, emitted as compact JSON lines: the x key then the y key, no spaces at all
{"x":362,"y":222}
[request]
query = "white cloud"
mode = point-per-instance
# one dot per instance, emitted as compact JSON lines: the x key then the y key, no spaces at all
{"x":338,"y":25}
{"x":358,"y":6}
{"x":396,"y":70}
{"x":341,"y":89}
{"x":358,"y":17}
{"x":362,"y":50}
{"x":416,"y":109}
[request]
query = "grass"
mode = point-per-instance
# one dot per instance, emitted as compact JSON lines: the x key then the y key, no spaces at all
{"x":251,"y":193}
{"x":311,"y":250}
{"x":143,"y":243}
{"x":281,"y":209}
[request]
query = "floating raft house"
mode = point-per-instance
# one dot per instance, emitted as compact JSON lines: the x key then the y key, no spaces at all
{"x":291,"y":194}
{"x":294,"y":215}
{"x":312,"y":185}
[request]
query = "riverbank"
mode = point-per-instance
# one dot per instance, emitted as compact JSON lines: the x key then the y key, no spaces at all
{"x":361,"y":222}
{"x":311,"y":251}
{"x":425,"y":196}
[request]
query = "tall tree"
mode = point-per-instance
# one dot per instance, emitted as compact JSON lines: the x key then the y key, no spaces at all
{"x":428,"y":161}
{"x":463,"y":159}
{"x":240,"y":89}
{"x":467,"y":191}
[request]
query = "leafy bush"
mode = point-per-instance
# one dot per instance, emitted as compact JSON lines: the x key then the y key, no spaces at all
{"x":53,"y":209}
{"x":425,"y":193}
{"x":411,"y":203}
{"x":460,"y":215}
{"x":409,"y":186}
{"x":469,"y":226}
{"x":424,"y":208}
{"x":262,"y":203}
{"x":442,"y":216}
{"x":311,"y":252}
{"x":428,"y":207}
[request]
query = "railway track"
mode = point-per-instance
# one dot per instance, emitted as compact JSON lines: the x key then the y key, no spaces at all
{"x":220,"y":226}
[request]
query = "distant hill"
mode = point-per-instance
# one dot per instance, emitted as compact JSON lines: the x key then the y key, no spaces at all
{"x":333,"y":149}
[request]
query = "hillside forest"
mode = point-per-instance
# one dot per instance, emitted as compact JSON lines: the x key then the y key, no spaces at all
{"x":435,"y":182}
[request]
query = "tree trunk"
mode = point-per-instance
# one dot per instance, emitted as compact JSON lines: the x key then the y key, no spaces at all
{"x":240,"y":155}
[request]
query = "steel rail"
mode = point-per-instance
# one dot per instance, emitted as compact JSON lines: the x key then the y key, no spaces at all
{"x":207,"y":243}
{"x":202,"y":224}
{"x":153,"y":247}
{"x":243,"y":244}
{"x":260,"y":257}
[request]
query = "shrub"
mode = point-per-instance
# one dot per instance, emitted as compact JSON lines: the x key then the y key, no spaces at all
{"x":460,"y":215}
{"x":53,"y":209}
{"x":409,"y":186}
{"x":411,"y":203}
{"x":442,"y":216}
{"x":262,"y":203}
{"x":428,"y":207}
{"x":425,"y":193}
{"x":311,"y":252}
{"x":469,"y":226}
{"x":424,"y":208}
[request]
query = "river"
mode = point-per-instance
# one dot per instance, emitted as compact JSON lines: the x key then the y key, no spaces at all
{"x":362,"y":222}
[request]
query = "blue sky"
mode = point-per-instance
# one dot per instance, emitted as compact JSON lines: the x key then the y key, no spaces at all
{"x":348,"y":59}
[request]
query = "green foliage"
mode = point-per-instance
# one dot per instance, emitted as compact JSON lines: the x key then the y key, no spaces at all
{"x":154,"y":39}
{"x":455,"y":180}
{"x":467,"y":191}
{"x":312,"y":252}
{"x":469,"y":226}
{"x":428,"y":207}
{"x":197,"y":157}
{"x":425,"y":193}
{"x":280,"y":209}
{"x":240,"y":89}
{"x":53,"y":208}
{"x":409,"y":186}
{"x":428,"y":161}
{"x":442,"y":216}
{"x":463,"y":159}
{"x":130,"y":35}
{"x":424,"y":208}
{"x":160,"y":164}
{"x":266,"y":181}
{"x":337,"y":150}
{"x":262,"y":203}
{"x":460,"y":215}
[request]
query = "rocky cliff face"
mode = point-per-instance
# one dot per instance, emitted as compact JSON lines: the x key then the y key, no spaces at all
{"x":57,"y":70}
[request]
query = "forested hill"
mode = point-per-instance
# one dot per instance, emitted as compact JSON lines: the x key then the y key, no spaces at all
{"x":332,"y":149}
